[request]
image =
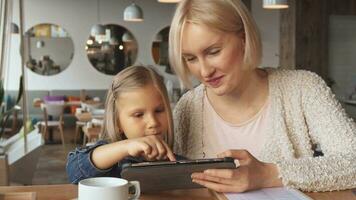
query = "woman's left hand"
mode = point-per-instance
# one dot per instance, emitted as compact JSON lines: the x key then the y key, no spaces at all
{"x":251,"y":174}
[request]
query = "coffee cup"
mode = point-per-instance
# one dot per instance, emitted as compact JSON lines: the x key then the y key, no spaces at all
{"x":108,"y":188}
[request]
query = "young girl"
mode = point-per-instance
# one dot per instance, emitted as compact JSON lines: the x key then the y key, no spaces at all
{"x":137,"y":127}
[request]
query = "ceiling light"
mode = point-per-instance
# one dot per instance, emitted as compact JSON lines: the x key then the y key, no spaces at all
{"x":275,"y":4}
{"x":133,"y":13}
{"x":127,"y":37}
{"x":97,"y":29}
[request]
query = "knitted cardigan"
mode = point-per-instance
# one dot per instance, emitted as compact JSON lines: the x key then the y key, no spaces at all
{"x":304,"y":112}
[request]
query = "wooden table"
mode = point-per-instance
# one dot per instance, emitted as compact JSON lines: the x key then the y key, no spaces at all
{"x":67,"y":192}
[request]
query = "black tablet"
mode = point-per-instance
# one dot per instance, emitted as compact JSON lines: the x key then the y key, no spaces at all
{"x":170,"y":175}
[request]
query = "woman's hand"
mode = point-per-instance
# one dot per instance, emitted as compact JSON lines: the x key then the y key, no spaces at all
{"x":251,"y":174}
{"x":150,"y":147}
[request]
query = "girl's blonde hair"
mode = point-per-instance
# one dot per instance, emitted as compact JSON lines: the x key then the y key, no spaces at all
{"x":131,"y":78}
{"x":222,"y":15}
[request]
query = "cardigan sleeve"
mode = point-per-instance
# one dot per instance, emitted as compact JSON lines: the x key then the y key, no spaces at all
{"x":181,"y":124}
{"x":328,"y":125}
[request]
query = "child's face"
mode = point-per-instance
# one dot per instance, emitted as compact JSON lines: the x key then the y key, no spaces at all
{"x":142,"y":112}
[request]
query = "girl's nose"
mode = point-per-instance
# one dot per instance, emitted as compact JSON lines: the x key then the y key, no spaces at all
{"x":152,"y":122}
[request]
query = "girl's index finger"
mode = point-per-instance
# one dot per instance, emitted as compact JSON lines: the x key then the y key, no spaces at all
{"x":170,"y":154}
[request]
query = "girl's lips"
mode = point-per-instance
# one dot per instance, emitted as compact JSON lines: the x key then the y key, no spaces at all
{"x":215,"y":82}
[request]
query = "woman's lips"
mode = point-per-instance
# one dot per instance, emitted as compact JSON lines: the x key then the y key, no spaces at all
{"x":215,"y":82}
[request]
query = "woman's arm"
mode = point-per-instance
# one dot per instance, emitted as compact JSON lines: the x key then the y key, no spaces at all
{"x":329,"y":126}
{"x":250,"y":174}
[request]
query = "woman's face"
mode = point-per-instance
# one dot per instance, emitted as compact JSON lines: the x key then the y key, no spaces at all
{"x":215,"y":58}
{"x":142,"y":112}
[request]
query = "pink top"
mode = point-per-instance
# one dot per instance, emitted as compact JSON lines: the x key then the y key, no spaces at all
{"x":220,"y":135}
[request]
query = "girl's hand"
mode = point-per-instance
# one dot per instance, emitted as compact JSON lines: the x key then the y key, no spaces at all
{"x":150,"y":147}
{"x":251,"y":174}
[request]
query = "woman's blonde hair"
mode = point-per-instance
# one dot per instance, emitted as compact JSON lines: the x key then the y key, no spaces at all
{"x":129,"y":79}
{"x":222,"y":15}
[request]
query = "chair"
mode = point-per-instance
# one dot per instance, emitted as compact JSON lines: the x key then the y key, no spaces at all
{"x":55,"y":110}
{"x":92,"y":133}
{"x":82,"y":119}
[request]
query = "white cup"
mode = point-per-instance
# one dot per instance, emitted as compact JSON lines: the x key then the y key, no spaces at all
{"x":108,"y":188}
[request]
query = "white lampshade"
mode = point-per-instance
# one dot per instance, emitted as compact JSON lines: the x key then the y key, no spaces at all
{"x":127,"y":37}
{"x":169,"y":1}
{"x":133,"y":13}
{"x":97,"y":29}
{"x":275,"y":4}
{"x":14,"y":28}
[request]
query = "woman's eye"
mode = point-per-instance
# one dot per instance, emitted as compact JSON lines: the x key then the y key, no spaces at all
{"x":189,"y":59}
{"x":214,"y":52}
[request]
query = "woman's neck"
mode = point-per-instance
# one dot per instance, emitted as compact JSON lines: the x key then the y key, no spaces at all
{"x":247,"y":99}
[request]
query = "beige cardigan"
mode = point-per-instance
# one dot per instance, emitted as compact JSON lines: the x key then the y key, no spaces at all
{"x":304,"y":112}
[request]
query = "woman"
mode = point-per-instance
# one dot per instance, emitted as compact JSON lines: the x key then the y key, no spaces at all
{"x":268,"y":120}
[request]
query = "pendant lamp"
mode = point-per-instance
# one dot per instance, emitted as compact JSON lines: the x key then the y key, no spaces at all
{"x":97,"y":29}
{"x":133,"y":13}
{"x":127,"y":37}
{"x":275,"y":4}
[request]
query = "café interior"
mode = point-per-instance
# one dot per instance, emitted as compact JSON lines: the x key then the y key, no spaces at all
{"x":58,"y":58}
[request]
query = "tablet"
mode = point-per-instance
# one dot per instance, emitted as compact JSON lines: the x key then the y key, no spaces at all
{"x":170,"y":175}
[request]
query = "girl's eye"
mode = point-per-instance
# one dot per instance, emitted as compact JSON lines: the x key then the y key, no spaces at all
{"x":159,"y":110}
{"x":138,"y":115}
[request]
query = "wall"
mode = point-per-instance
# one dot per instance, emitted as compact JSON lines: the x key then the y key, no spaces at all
{"x":342,"y":59}
{"x":268,"y":23}
{"x":78,"y":16}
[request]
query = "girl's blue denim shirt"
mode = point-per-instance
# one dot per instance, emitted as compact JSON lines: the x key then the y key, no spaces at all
{"x":79,"y":165}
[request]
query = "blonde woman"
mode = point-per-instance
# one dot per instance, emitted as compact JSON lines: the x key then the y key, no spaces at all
{"x":268,"y":120}
{"x":137,"y":127}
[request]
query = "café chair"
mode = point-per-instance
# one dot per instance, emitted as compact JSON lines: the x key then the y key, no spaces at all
{"x":82,"y":119}
{"x":55,"y":110}
{"x":91,"y":133}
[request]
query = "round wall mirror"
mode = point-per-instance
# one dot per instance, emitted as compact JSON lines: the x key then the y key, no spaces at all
{"x":160,"y":49}
{"x":49,"y":49}
{"x":113,"y":51}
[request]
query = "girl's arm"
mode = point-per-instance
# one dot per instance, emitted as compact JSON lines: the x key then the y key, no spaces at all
{"x":106,"y":156}
{"x":151,"y":147}
{"x":79,"y":165}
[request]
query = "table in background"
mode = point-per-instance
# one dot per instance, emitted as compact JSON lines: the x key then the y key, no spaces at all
{"x":68,"y":191}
